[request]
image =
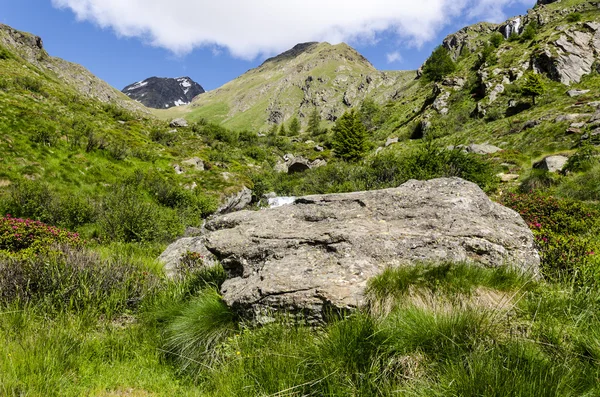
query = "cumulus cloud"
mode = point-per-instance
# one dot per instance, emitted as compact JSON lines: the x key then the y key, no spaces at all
{"x":249,"y":28}
{"x":393,"y":57}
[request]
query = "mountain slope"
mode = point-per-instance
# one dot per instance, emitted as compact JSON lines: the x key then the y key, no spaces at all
{"x":332,"y":78}
{"x":31,"y":49}
{"x":161,"y":93}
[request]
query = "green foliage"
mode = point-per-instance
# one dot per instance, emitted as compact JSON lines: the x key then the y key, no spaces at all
{"x":314,"y":122}
{"x":529,"y":32}
{"x":5,"y":54}
{"x":538,"y":180}
{"x":73,"y":280}
{"x":25,"y":238}
{"x":282,"y":130}
{"x":533,"y":86}
{"x":438,"y":65}
{"x":294,"y":127}
{"x":371,"y":114}
{"x":496,"y":39}
{"x":583,"y":186}
{"x":574,"y":17}
{"x":126,"y":215}
{"x":194,"y":334}
{"x":488,"y":55}
{"x":350,"y":137}
{"x":564,"y":230}
{"x":582,"y":160}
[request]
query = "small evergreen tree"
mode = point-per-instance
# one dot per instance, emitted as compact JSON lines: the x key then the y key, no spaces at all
{"x":282,"y":129}
{"x":294,"y":128}
{"x":370,"y":113}
{"x":314,"y":122}
{"x":529,"y":32}
{"x":273,"y":130}
{"x":350,"y":137}
{"x":439,"y":65}
{"x":533,"y":86}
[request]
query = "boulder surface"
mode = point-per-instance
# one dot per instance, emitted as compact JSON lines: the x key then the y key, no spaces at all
{"x":319,"y":252}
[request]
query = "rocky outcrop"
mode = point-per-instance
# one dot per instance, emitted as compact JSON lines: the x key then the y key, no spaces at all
{"x":293,"y":164}
{"x":164,"y":93}
{"x":319,"y":252}
{"x":571,"y":56}
{"x":236,"y":202}
{"x":178,"y":123}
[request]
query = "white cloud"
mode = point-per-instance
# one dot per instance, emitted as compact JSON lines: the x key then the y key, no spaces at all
{"x":393,"y":57}
{"x":248,"y":28}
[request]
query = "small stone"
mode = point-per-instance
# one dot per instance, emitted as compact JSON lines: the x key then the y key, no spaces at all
{"x":178,"y":169}
{"x":573,"y":130}
{"x":576,"y":93}
{"x":391,"y":141}
{"x":319,"y":148}
{"x":179,"y":123}
{"x":507,"y":177}
{"x":552,"y":163}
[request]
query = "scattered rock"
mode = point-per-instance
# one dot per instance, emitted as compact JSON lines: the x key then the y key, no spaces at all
{"x":531,"y":124}
{"x":178,"y":169}
{"x":176,"y":123}
{"x":485,"y":148}
{"x":391,"y":141}
{"x":319,"y":148}
{"x":507,"y":177}
{"x":319,"y":253}
{"x":552,"y":163}
{"x":576,"y":93}
{"x":573,"y":130}
{"x":295,"y":164}
{"x":195,"y":162}
{"x":569,"y":117}
{"x":577,"y":125}
{"x":237,"y":202}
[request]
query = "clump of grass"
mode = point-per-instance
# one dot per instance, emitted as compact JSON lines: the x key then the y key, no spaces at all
{"x":194,"y":334}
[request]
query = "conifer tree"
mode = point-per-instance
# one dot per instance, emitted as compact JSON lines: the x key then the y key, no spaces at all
{"x":294,"y":128}
{"x":439,"y":65}
{"x":282,"y":129}
{"x":314,"y":122}
{"x":350,"y":137}
{"x":533,"y":86}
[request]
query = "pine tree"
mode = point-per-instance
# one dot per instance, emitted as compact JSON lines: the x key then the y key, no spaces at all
{"x":350,"y":137}
{"x":294,"y":128}
{"x":533,"y":86}
{"x":439,"y":65}
{"x":314,"y":122}
{"x":282,"y":130}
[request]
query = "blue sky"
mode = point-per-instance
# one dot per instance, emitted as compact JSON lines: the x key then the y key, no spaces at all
{"x":213,"y":42}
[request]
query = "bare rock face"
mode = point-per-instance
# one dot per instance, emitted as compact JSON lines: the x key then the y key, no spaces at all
{"x":319,"y":252}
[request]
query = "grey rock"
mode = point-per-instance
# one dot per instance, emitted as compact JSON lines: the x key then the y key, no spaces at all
{"x":177,"y":123}
{"x":194,"y":162}
{"x":391,"y":141}
{"x":507,"y":177}
{"x":171,"y":257}
{"x":319,"y":148}
{"x":531,"y":124}
{"x":319,"y":252}
{"x":178,"y":169}
{"x":552,"y":163}
{"x":576,"y":93}
{"x":484,"y":148}
{"x":298,"y":164}
{"x":577,"y":125}
{"x":237,"y":202}
{"x":570,"y":117}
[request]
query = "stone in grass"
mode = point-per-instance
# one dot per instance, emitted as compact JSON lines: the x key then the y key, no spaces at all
{"x":318,"y":253}
{"x":552,"y":163}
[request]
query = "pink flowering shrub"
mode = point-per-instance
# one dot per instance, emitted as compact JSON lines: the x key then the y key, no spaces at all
{"x":565,"y":231}
{"x":23,"y":237}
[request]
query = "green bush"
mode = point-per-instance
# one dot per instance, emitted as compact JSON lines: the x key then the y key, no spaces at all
{"x":574,"y":17}
{"x":74,"y":280}
{"x":538,"y":180}
{"x":583,"y":160}
{"x":438,"y":65}
{"x":565,"y":231}
{"x":127,"y":215}
{"x":29,"y":84}
{"x":496,"y":39}
{"x":350,"y":137}
{"x":529,"y":32}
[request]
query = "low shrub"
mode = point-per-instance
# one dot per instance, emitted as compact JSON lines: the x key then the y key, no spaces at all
{"x":25,"y":237}
{"x":74,"y":280}
{"x":564,"y":230}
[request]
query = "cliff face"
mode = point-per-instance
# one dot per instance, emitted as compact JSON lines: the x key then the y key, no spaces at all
{"x":163,"y":93}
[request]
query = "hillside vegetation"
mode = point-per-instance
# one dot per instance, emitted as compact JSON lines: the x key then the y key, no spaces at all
{"x":93,"y":187}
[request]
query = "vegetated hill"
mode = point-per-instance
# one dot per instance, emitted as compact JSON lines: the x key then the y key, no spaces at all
{"x":31,"y":49}
{"x":162,"y":93}
{"x":332,"y":78}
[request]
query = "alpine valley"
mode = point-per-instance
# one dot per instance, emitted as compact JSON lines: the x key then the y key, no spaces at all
{"x":314,"y":227}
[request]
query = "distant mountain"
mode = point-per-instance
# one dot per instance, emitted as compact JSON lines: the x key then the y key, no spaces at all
{"x":332,"y":78}
{"x":164,"y":93}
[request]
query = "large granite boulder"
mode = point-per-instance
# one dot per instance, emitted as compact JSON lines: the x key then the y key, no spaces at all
{"x":319,"y":252}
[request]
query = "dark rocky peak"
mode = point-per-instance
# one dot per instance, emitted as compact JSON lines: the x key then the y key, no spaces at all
{"x":164,"y":93}
{"x":297,"y":50}
{"x":27,"y":45}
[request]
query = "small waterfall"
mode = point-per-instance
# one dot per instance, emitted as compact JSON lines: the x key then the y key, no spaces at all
{"x":512,"y":26}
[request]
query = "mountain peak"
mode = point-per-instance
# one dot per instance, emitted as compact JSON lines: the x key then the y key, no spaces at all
{"x":292,"y":53}
{"x":164,"y":93}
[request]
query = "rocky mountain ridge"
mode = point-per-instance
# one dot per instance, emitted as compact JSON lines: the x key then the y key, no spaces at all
{"x":31,"y":49}
{"x":164,"y":93}
{"x":332,"y":78}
